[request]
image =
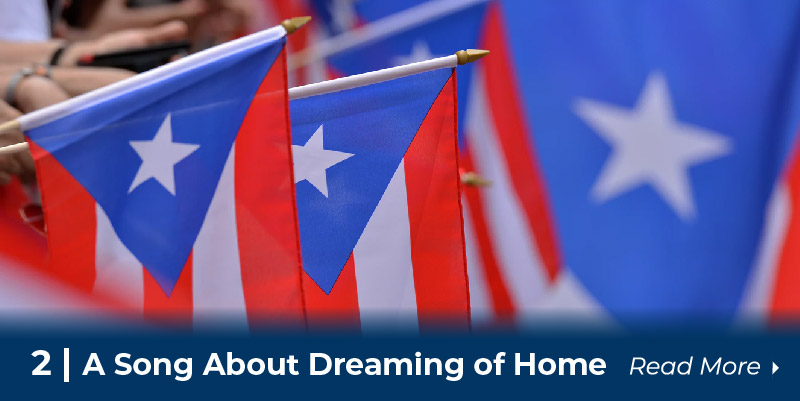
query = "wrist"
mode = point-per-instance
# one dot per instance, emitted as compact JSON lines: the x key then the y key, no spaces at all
{"x":12,"y":88}
{"x":16,"y":81}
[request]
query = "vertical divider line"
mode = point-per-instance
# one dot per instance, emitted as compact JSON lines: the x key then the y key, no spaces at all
{"x":66,"y":365}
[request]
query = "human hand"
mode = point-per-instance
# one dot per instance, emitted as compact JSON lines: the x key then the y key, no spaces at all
{"x":114,"y":15}
{"x":15,"y":164}
{"x":124,"y":40}
{"x":227,"y":19}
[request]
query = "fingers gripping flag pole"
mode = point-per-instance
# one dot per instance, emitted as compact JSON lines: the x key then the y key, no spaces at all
{"x":181,"y":212}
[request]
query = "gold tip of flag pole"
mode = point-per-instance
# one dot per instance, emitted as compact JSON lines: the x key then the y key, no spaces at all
{"x":470,"y":55}
{"x":293,"y":24}
{"x":472,"y":179}
{"x":12,"y":125}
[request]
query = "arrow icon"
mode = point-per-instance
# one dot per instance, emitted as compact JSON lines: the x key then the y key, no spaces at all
{"x":774,"y":368}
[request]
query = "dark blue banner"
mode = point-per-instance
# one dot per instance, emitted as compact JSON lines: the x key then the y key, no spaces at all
{"x":137,"y":365}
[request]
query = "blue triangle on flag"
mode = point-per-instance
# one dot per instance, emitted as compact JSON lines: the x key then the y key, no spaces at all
{"x":375,"y":124}
{"x":206,"y":105}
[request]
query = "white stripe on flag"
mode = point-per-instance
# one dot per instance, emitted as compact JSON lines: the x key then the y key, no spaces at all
{"x":758,"y":292}
{"x":216,"y":272}
{"x":521,"y":268}
{"x":568,"y":302}
{"x":118,"y":272}
{"x":481,"y":309}
{"x":382,"y":258}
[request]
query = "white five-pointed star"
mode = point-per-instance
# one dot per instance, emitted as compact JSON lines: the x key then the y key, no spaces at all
{"x":650,"y":146}
{"x":419,"y":52}
{"x":160,"y":156}
{"x":343,"y":14}
{"x":312,"y":160}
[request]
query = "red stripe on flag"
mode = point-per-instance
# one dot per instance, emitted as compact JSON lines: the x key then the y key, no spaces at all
{"x":512,"y":132}
{"x":21,"y":244}
{"x":269,"y":243}
{"x":434,"y":210}
{"x":337,"y":309}
{"x":18,"y":241}
{"x":12,"y":198}
{"x":175,"y":309}
{"x":498,"y":293}
{"x":71,"y":220}
{"x":786,"y":295}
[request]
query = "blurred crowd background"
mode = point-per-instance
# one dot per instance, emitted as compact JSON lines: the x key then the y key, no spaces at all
{"x":693,"y":222}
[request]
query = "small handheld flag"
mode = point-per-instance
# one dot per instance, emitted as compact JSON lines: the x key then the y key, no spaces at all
{"x":171,"y":189}
{"x":378,"y":197}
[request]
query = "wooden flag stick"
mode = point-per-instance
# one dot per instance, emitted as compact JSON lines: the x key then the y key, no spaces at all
{"x":15,"y":148}
{"x":354,"y":81}
{"x":9,"y":126}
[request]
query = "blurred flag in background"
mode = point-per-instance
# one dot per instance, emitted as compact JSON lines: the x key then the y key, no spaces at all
{"x":514,"y":261}
{"x":662,"y":128}
{"x":633,"y":148}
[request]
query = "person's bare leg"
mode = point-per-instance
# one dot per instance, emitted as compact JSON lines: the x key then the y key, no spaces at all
{"x":74,"y":80}
{"x":34,"y":93}
{"x":41,"y":52}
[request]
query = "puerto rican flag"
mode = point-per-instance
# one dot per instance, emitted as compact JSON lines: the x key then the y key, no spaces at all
{"x":772,"y":295}
{"x":378,"y":205}
{"x":171,"y":191}
{"x":515,"y":265}
{"x":784,"y":299}
{"x":667,"y":147}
